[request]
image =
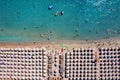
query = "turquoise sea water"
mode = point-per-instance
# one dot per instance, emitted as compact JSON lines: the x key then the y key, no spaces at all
{"x":30,"y":20}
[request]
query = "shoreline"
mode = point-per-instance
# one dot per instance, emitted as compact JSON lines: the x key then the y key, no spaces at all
{"x":112,"y":42}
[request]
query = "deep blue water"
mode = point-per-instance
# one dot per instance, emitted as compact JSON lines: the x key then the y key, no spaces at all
{"x":30,"y":20}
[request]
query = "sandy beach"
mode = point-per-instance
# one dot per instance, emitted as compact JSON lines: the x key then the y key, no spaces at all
{"x":113,"y":42}
{"x":55,"y":54}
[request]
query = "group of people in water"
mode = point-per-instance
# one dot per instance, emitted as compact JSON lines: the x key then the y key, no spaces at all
{"x":57,"y":12}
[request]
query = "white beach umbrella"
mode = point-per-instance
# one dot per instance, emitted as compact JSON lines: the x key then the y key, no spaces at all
{"x":44,"y":48}
{"x":11,"y":49}
{"x":22,"y":49}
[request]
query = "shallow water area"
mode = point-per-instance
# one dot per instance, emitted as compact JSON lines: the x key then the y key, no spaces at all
{"x":30,"y":20}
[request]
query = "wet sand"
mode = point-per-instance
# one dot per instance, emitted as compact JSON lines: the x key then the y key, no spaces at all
{"x":113,"y":42}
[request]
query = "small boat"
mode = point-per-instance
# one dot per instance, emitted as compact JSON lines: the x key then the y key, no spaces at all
{"x":50,"y":6}
{"x":56,"y":13}
{"x":62,"y":12}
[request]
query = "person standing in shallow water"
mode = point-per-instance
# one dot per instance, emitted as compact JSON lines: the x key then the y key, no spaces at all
{"x":1,"y":29}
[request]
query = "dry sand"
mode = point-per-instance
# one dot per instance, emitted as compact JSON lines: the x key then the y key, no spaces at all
{"x":113,"y":42}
